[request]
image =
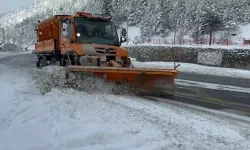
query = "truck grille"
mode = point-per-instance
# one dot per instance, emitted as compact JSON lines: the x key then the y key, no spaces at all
{"x":107,"y":51}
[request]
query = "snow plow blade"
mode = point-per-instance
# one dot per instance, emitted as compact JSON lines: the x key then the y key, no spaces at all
{"x":156,"y":82}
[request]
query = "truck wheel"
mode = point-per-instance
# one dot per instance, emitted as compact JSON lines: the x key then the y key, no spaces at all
{"x":53,"y":61}
{"x":41,"y":62}
{"x":66,"y":61}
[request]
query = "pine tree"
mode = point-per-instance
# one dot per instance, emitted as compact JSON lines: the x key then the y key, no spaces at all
{"x":161,"y":26}
{"x":146,"y":23}
{"x":212,"y":20}
{"x":132,"y":13}
{"x":106,"y":8}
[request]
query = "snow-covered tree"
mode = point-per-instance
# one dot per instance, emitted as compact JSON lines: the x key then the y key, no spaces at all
{"x":162,"y":26}
{"x":131,"y":13}
{"x":195,"y":18}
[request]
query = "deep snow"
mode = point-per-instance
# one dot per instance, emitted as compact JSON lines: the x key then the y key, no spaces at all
{"x":65,"y":119}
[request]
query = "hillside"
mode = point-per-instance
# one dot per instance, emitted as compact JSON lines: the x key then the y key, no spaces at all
{"x":20,"y":24}
{"x":154,"y":18}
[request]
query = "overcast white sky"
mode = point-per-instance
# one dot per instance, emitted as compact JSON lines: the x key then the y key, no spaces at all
{"x":9,"y":5}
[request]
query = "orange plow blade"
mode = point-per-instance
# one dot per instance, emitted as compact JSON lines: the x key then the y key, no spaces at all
{"x":143,"y":80}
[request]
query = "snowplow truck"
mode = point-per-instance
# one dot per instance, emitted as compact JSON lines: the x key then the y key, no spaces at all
{"x":86,"y":43}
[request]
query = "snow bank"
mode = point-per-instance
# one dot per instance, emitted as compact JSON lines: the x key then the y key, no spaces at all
{"x":194,"y":68}
{"x":54,"y":76}
{"x":65,"y":119}
{"x":51,"y":77}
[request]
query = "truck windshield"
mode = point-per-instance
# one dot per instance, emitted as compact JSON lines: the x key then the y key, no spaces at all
{"x":96,"y":31}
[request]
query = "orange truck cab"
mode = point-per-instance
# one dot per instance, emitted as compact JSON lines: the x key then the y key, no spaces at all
{"x":80,"y":39}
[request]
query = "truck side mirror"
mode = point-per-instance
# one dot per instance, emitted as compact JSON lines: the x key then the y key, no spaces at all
{"x":124,"y":32}
{"x":123,"y":36}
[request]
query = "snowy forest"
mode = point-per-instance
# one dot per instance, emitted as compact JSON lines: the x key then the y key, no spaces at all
{"x":185,"y":17}
{"x":194,"y":18}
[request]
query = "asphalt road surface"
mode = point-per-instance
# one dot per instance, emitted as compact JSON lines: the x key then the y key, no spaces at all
{"x":236,"y":102}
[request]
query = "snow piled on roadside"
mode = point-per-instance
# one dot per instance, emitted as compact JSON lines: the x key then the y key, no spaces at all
{"x":65,"y":119}
{"x":53,"y":77}
{"x":194,"y":68}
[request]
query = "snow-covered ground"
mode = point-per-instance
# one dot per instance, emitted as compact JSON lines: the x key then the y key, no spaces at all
{"x":65,"y":119}
{"x":194,"y":68}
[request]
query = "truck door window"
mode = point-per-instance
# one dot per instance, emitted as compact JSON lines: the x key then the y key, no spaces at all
{"x":64,"y":31}
{"x":67,"y":28}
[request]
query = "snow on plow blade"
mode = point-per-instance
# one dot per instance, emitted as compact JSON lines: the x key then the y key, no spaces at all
{"x":145,"y":81}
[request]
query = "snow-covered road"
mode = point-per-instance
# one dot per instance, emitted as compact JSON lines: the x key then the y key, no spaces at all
{"x":7,"y":54}
{"x":65,"y":119}
{"x":211,"y":86}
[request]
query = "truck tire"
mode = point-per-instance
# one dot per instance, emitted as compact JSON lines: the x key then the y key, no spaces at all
{"x":41,"y":62}
{"x":73,"y":59}
{"x":65,"y":61}
{"x":53,"y":61}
